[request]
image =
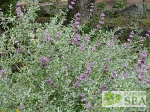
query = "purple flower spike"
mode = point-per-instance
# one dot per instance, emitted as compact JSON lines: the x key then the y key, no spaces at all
{"x":106,"y":68}
{"x":47,"y":37}
{"x":44,"y":61}
{"x":113,"y":74}
{"x":50,"y":82}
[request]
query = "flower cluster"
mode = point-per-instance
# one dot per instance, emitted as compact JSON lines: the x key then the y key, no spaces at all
{"x":86,"y":38}
{"x":18,"y":9}
{"x":83,"y":97}
{"x":19,"y":50}
{"x":2,"y":72}
{"x":76,"y":39}
{"x":113,"y":74}
{"x":148,"y":80}
{"x":142,"y":66}
{"x":101,"y":22}
{"x":125,"y":75}
{"x":59,"y":34}
{"x":131,"y":36}
{"x":84,"y":75}
{"x":106,"y":66}
{"x":91,"y":9}
{"x":44,"y":61}
{"x":103,"y":87}
{"x":47,"y":37}
{"x":72,"y":3}
{"x":50,"y":82}
{"x":77,"y":21}
{"x":148,"y":33}
{"x":88,"y":105}
{"x":96,"y":46}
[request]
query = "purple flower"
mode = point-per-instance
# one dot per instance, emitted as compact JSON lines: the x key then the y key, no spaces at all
{"x":131,"y":36}
{"x":144,"y":54}
{"x":99,"y":26}
{"x":77,"y":21}
{"x":148,"y":80}
{"x":126,"y":44}
{"x":90,"y":108}
{"x":92,"y":64}
{"x":101,"y":22}
{"x":129,"y":40}
{"x":18,"y":4}
{"x":102,"y":15}
{"x":47,"y":37}
{"x":19,"y":50}
{"x":111,"y":43}
{"x":59,"y":34}
{"x":83,"y":99}
{"x":77,"y":83}
{"x":44,"y":61}
{"x":2,"y":72}
{"x":84,"y":75}
{"x":106,"y":68}
{"x":70,"y":7}
{"x":18,"y":9}
{"x":77,"y":37}
{"x":82,"y":95}
{"x":88,"y":104}
{"x":113,"y":74}
{"x":86,"y":37}
{"x":143,"y":39}
{"x":77,"y":15}
{"x":140,"y":77}
{"x":91,"y":9}
{"x":50,"y":82}
{"x":103,"y":87}
{"x":73,"y":3}
{"x":125,"y":75}
{"x":125,"y":64}
{"x":132,"y":33}
{"x":107,"y":60}
{"x":22,"y":106}
{"x":82,"y":48}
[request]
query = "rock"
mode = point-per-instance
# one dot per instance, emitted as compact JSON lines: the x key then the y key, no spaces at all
{"x":134,"y":9}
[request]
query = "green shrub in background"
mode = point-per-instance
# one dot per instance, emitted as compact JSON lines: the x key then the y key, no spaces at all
{"x":119,"y":4}
{"x":101,"y":5}
{"x":5,"y":3}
